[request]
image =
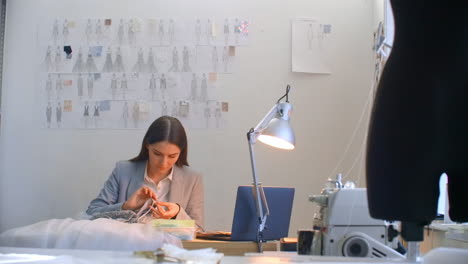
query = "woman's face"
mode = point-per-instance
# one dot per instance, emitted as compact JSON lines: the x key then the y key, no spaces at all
{"x":162,"y":156}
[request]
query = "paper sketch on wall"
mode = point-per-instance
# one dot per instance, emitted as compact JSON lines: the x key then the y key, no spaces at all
{"x":309,"y":46}
{"x":124,"y":72}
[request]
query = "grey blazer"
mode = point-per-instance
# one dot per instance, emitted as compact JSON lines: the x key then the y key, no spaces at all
{"x":128,"y":176}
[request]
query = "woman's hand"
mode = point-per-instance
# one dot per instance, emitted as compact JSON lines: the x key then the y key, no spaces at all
{"x":165,"y":210}
{"x":138,"y":198}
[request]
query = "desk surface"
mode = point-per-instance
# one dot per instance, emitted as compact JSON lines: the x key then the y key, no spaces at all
{"x":230,"y":248}
{"x":73,"y":256}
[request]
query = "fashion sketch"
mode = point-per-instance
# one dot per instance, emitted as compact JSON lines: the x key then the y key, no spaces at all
{"x":151,"y":64}
{"x":124,"y":86}
{"x":48,"y":114}
{"x":55,"y":31}
{"x":218,"y":114}
{"x":65,"y":32}
{"x":175,"y":61}
{"x":171,"y":31}
{"x":152,"y":87}
{"x":135,"y":114}
{"x":214,"y":58}
{"x":79,"y":63}
{"x":58,"y":59}
{"x":185,"y":60}
{"x":58,"y":114}
{"x":193,"y":88}
{"x":140,"y":63}
{"x":90,"y":65}
{"x":113,"y":86}
{"x":96,"y":115}
{"x":118,"y":64}
{"x":197,"y":31}
{"x":48,"y":64}
{"x":48,"y":87}
{"x":108,"y":65}
{"x":208,"y":31}
{"x":80,"y":85}
{"x":204,"y":89}
{"x":164,"y":108}
{"x":226,"y":31}
{"x":59,"y":87}
{"x":90,"y":85}
{"x":86,"y":114}
{"x":163,"y":85}
{"x":207,"y":113}
{"x":88,"y":31}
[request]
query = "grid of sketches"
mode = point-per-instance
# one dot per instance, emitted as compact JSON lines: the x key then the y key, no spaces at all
{"x":121,"y":73}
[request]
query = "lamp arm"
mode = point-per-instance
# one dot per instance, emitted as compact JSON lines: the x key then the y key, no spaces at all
{"x":259,"y":195}
{"x":264,"y":122}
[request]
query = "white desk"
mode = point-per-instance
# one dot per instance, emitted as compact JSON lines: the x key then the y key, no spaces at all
{"x":99,"y":256}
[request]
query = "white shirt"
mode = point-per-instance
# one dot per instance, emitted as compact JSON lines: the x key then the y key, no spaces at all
{"x":162,"y":188}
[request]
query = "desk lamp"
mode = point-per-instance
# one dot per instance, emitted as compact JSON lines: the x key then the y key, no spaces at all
{"x":273,"y":130}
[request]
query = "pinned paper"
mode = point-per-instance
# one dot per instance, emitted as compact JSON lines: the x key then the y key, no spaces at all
{"x":67,"y":106}
{"x":104,"y":105}
{"x":108,"y":22}
{"x":232,"y":50}
{"x":67,"y":82}
{"x":212,"y":76}
{"x":224,"y":106}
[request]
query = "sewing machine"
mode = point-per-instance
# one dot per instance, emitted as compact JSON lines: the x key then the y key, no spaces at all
{"x":343,"y":226}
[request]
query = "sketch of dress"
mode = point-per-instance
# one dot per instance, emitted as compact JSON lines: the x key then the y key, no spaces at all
{"x":55,"y":31}
{"x":58,"y":59}
{"x":96,"y":115}
{"x":218,"y":114}
{"x":90,"y":85}
{"x":86,"y":114}
{"x":197,"y":31}
{"x":225,"y":58}
{"x":185,"y":60}
{"x":80,"y":85}
{"x":118,"y":65}
{"x":88,"y":31}
{"x":161,"y":32}
{"x":98,"y":31}
{"x":207,"y":114}
{"x":214,"y":58}
{"x":108,"y":65}
{"x":65,"y":32}
{"x":79,"y":64}
{"x":58,"y":114}
{"x":152,"y":87}
{"x":135,"y":114}
{"x":58,"y":87}
{"x":171,"y":31}
{"x":175,"y":110}
{"x":175,"y":61}
{"x":48,"y":114}
{"x":151,"y":65}
{"x":236,"y":30}
{"x":48,"y":64}
{"x":48,"y":87}
{"x":124,"y":86}
{"x":113,"y":86}
{"x":131,"y":31}
{"x":163,"y":85}
{"x":204,"y":89}
{"x":140,"y":63}
{"x":90,"y":65}
{"x":125,"y":114}
{"x":120,"y":32}
{"x":226,"y":31}
{"x":193,"y":88}
{"x":208,"y":31}
{"x":164,"y":108}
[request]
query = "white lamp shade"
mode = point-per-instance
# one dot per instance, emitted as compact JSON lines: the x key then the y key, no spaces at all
{"x":278,"y":134}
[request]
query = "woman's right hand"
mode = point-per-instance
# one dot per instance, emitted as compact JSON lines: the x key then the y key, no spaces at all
{"x":138,"y":198}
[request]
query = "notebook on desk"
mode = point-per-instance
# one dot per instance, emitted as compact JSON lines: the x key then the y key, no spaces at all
{"x":245,"y":221}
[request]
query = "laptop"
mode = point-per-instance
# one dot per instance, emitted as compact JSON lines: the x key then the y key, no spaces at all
{"x":245,"y":221}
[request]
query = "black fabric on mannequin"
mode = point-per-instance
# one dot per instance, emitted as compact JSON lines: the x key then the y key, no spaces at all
{"x":419,"y":122}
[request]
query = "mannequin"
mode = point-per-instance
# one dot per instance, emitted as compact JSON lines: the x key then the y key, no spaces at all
{"x":419,"y":123}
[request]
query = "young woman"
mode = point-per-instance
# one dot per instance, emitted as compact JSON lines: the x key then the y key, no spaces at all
{"x":160,"y":172}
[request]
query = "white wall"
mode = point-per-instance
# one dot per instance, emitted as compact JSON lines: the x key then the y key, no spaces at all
{"x":55,"y":173}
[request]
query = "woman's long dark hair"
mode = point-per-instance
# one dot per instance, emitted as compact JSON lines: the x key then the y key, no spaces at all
{"x":165,"y":128}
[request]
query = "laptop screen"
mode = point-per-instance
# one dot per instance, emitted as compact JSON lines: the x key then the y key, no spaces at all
{"x":245,"y":222}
